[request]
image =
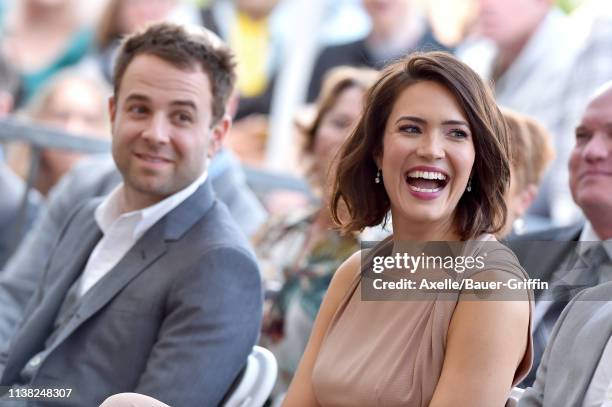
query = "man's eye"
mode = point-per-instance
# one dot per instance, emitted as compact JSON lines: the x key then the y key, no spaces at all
{"x":184,"y":117}
{"x":582,"y":136}
{"x":137,"y":109}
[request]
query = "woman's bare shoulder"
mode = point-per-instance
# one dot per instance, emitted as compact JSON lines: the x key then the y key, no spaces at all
{"x":347,"y":273}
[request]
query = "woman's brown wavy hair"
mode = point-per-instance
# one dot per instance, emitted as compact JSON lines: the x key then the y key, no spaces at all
{"x":357,"y":202}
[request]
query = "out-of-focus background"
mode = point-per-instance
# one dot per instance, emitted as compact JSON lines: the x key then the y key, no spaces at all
{"x":543,"y":57}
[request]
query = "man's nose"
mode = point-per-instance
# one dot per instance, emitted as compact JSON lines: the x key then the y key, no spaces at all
{"x":157,"y":129}
{"x":598,"y":147}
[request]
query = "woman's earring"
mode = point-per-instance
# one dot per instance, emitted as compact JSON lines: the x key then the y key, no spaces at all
{"x":378,"y":174}
{"x":469,"y":185}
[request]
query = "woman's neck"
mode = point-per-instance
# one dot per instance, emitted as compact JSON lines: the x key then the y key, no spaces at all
{"x":424,"y":231}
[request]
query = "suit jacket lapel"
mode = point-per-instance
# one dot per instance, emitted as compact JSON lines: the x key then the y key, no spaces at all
{"x":553,"y":254}
{"x":144,"y":253}
{"x":557,"y":253}
{"x":543,"y":257}
{"x":580,"y":345}
{"x":148,"y":249}
{"x":596,"y":332}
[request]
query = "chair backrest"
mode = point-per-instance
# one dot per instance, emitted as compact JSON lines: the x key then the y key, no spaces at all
{"x":257,"y":380}
{"x":515,"y":396}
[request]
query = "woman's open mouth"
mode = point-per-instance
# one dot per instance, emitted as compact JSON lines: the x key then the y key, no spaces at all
{"x":426,"y":184}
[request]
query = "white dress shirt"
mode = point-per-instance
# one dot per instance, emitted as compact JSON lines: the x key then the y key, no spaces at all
{"x":588,"y":235}
{"x":122,"y":230}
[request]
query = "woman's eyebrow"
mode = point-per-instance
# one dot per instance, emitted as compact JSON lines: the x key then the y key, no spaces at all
{"x":423,"y":121}
{"x":412,"y":118}
{"x":456,"y":122}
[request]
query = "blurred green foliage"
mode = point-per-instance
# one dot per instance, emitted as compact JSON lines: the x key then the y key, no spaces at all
{"x":569,"y":5}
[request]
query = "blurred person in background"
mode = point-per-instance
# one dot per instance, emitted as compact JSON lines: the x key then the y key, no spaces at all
{"x":254,"y":31}
{"x":9,"y":86}
{"x":530,"y":153}
{"x":397,"y":28}
{"x":528,"y":49}
{"x":12,"y":188}
{"x":41,"y":37}
{"x":122,"y":17}
{"x":301,"y":250}
{"x":591,"y":69}
{"x":73,"y":103}
{"x":3,"y":5}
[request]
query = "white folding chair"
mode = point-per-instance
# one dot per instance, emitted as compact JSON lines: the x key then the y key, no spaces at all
{"x":257,"y":380}
{"x":515,"y":396}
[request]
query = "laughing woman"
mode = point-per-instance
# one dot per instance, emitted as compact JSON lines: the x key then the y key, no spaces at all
{"x":431,"y":148}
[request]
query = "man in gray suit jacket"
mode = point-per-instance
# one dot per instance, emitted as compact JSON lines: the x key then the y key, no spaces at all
{"x":570,"y":266}
{"x":152,"y":289}
{"x":98,"y":176}
{"x":579,"y":351}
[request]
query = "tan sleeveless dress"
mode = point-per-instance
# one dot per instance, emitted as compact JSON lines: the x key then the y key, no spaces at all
{"x":390,"y":353}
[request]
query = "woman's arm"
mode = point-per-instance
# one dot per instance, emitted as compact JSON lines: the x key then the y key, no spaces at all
{"x":485,"y":344}
{"x":300,"y":391}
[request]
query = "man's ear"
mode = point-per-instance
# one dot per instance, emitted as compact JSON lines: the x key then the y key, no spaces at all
{"x":112,"y":110}
{"x":218,"y":133}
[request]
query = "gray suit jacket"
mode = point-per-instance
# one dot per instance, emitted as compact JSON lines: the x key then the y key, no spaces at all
{"x":541,"y":254}
{"x":573,"y":351}
{"x":175,"y":319}
{"x":539,"y":259}
{"x":95,"y":177}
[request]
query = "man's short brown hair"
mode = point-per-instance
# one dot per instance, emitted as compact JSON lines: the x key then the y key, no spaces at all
{"x":183,"y":48}
{"x":483,"y":210}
